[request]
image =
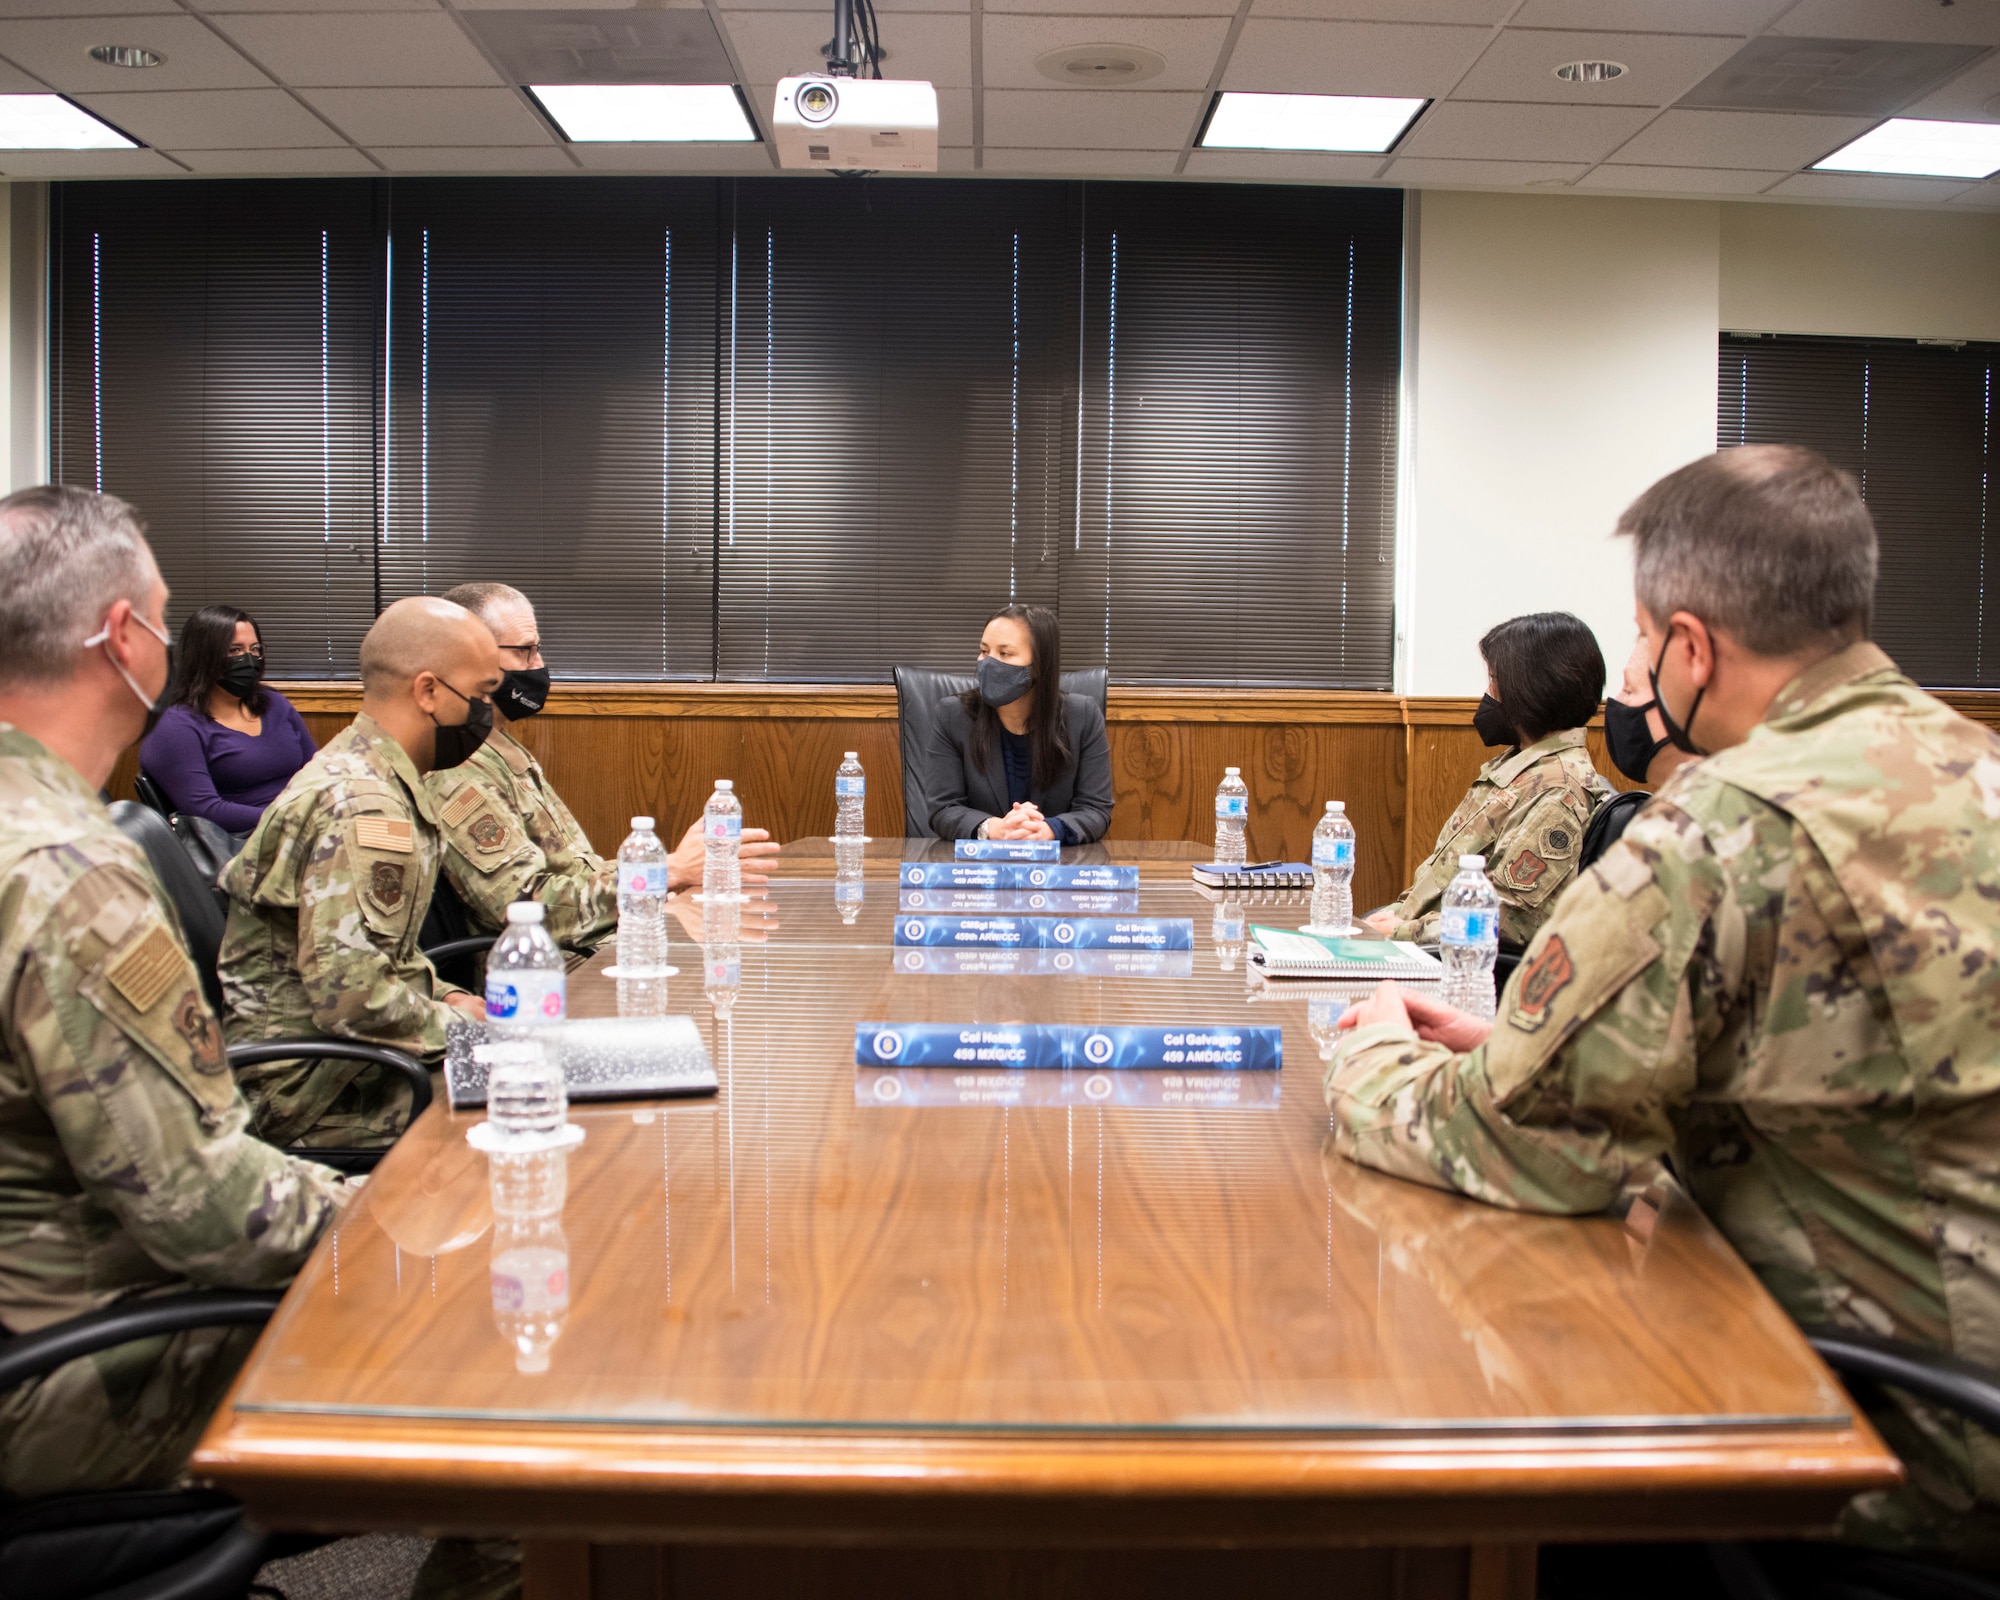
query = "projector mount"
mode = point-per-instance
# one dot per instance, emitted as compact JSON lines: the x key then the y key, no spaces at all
{"x":855,"y":50}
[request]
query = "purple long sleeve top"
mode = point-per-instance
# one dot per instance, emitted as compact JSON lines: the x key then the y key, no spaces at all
{"x":207,"y":770}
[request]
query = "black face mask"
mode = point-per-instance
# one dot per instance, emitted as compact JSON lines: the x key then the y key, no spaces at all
{"x":456,"y":741}
{"x":1628,"y":740}
{"x":1679,"y":733}
{"x":1001,"y":683}
{"x":242,"y":675}
{"x":1490,"y":722}
{"x":158,"y":703}
{"x":522,"y":693}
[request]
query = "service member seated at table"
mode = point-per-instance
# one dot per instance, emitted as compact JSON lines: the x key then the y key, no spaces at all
{"x":507,"y":834}
{"x":1527,"y":810}
{"x":1634,"y":736}
{"x":327,"y":899}
{"x":1015,"y":757}
{"x":126,"y":1158}
{"x":1785,"y":978}
{"x":228,"y":743}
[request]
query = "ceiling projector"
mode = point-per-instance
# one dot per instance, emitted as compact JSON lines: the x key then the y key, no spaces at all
{"x":853,"y":124}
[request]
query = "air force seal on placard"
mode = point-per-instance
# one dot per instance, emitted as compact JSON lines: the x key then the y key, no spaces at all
{"x":887,"y":1044}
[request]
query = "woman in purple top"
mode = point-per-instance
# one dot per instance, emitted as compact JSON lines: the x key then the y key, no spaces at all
{"x":227,"y":745}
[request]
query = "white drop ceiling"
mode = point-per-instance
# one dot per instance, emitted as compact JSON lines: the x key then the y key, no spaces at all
{"x":353,"y":87}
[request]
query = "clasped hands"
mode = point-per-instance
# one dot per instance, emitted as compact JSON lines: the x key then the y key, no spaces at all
{"x":1025,"y":821}
{"x":1425,"y":1015}
{"x":685,"y":864}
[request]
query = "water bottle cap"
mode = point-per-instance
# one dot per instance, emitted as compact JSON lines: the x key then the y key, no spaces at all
{"x":724,"y":783}
{"x":1232,"y":772}
{"x":642,"y":824}
{"x":1471,"y":863}
{"x":854,"y":755}
{"x":1336,"y":805}
{"x":525,"y":911}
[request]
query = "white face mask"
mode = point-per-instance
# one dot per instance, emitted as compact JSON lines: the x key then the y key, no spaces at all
{"x":154,"y":704}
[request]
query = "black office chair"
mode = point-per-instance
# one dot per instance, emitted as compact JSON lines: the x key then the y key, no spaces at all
{"x":150,"y":794}
{"x":447,"y":937}
{"x":201,"y":918}
{"x":131,"y":1544}
{"x":918,"y":691}
{"x":1607,"y":825}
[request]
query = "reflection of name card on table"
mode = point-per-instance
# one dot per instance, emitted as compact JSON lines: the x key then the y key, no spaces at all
{"x":1018,"y":875}
{"x":1066,"y":1046}
{"x":1006,"y":850}
{"x":1034,"y":902}
{"x":602,"y":1058}
{"x":1046,"y":933}
{"x":948,"y":1086}
{"x":1025,"y":963}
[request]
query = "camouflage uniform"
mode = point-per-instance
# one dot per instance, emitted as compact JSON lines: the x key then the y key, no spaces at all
{"x":1786,"y":979}
{"x":508,"y":837}
{"x":1525,"y":813}
{"x":326,"y":903}
{"x":126,"y":1163}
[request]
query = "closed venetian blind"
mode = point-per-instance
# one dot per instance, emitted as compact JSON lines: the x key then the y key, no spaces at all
{"x":212,"y":362}
{"x":1914,"y":425}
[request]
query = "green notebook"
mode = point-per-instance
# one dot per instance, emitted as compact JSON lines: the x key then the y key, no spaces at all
{"x":1286,"y":953}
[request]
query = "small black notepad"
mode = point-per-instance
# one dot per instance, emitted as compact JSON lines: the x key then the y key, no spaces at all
{"x":1279,"y":875}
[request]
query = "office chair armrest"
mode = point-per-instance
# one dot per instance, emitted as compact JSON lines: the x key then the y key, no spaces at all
{"x":452,"y":948}
{"x":1958,"y":1386}
{"x":31,"y":1355}
{"x":419,"y":1079}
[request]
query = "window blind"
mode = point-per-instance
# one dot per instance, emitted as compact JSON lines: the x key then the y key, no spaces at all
{"x":760,"y":429}
{"x":212,"y":350}
{"x":1914,"y":425}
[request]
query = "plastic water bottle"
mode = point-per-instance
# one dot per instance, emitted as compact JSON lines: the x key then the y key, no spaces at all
{"x":1469,"y":933}
{"x":525,"y":982}
{"x":530,"y":1262}
{"x":642,"y":901}
{"x":1232,"y":819}
{"x":722,"y":835}
{"x":850,"y":794}
{"x":1333,"y":871}
{"x":527,"y":1102}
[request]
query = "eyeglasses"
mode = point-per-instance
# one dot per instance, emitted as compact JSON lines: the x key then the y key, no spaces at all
{"x":238,"y":652}
{"x":527,"y":652}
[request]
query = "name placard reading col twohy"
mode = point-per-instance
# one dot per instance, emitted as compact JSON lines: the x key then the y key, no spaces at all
{"x":1059,"y":1046}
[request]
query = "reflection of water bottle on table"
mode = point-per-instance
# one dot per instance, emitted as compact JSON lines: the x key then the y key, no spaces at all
{"x":1469,"y":939}
{"x":530,"y":1265}
{"x":1226,"y":930}
{"x":848,"y":889}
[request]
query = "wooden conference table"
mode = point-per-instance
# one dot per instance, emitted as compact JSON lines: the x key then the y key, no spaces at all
{"x":840,"y":1330}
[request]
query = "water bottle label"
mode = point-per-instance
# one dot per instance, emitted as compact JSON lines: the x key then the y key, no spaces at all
{"x":1333,"y":852}
{"x":525,"y":996}
{"x":1468,"y":925}
{"x":644,"y":877}
{"x":850,"y":788}
{"x":849,"y":894}
{"x":724,"y":827}
{"x":723,"y":974}
{"x":1231,"y":807}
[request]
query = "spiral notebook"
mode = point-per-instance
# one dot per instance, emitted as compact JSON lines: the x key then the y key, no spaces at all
{"x":1287,"y":953}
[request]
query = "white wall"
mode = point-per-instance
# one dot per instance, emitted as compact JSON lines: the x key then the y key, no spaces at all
{"x":1564,"y":360}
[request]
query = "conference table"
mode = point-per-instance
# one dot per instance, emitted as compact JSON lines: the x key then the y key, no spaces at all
{"x":848,"y":1329}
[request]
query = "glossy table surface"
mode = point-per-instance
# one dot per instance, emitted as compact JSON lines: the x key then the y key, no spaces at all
{"x":837,"y":1276}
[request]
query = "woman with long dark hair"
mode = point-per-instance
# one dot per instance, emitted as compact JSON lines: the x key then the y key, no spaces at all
{"x":227,"y":742}
{"x":1015,"y":757}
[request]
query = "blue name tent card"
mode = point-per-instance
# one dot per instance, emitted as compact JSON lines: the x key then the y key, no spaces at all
{"x":1061,"y":1046}
{"x":1007,"y":849}
{"x":1019,"y":875}
{"x":1045,"y":933}
{"x":1034,"y":902}
{"x":1021,"y":963}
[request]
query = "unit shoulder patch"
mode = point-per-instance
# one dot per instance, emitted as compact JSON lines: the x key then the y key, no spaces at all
{"x":196,"y":1025}
{"x":1538,"y":983}
{"x":145,"y":972}
{"x":385,"y":885}
{"x":392,"y":835}
{"x":1526,"y":870}
{"x":487,"y":833}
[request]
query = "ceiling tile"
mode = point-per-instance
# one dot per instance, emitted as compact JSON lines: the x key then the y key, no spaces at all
{"x":1860,"y":186}
{"x":1740,"y":17}
{"x":1487,"y":132}
{"x":1420,"y":173}
{"x":450,"y":158}
{"x":566,"y":5}
{"x":1984,"y":195}
{"x":1476,"y":13}
{"x":601,"y":46}
{"x":1083,"y":163}
{"x":954,"y":160}
{"x":777,"y":44}
{"x":1521,"y":65}
{"x":14,"y":81}
{"x":57,"y":52}
{"x":86,"y":164}
{"x":1677,"y":180}
{"x":1282,"y":166}
{"x":1767,"y":140}
{"x":222,"y":8}
{"x":361,"y":51}
{"x":215,"y":119}
{"x":703,"y":160}
{"x":410,"y":117}
{"x":1972,"y":96}
{"x":85,"y":8}
{"x":1280,"y":56}
{"x":1829,"y":77}
{"x":341,"y":161}
{"x":1972,"y":23}
{"x":1089,"y":119}
{"x":1190,"y":45}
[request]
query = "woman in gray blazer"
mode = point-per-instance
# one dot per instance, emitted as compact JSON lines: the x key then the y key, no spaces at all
{"x":1016,"y":758}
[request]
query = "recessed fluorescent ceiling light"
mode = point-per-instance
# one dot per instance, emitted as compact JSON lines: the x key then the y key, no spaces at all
{"x":1307,"y":122}
{"x":1910,"y":148}
{"x":646,"y":113}
{"x":49,"y":122}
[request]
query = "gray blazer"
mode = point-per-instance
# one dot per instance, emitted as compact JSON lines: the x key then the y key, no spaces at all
{"x":964,"y":793}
